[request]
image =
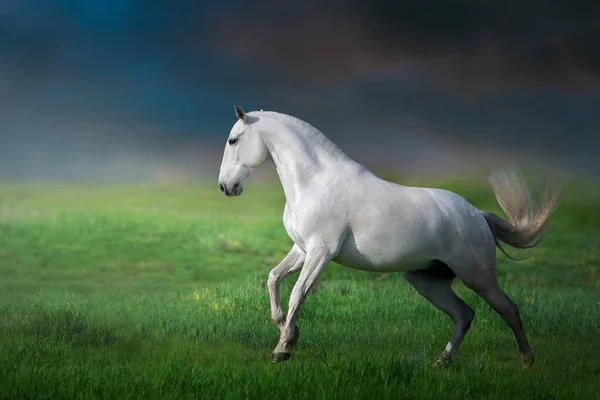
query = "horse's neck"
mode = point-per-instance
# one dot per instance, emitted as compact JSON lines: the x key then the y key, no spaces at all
{"x":300,"y":152}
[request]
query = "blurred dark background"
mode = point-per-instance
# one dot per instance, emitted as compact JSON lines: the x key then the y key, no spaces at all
{"x":143,"y":90}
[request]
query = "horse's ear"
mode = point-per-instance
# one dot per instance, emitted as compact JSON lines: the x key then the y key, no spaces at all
{"x":241,"y":114}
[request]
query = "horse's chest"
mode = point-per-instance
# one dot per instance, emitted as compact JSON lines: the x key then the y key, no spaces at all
{"x":290,"y":222}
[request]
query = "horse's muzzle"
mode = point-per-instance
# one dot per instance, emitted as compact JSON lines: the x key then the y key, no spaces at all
{"x":236,"y":190}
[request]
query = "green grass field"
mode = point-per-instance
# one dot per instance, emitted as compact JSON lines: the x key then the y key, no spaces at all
{"x":157,"y":292}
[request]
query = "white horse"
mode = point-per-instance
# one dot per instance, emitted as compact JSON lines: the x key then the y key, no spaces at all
{"x":337,"y":210}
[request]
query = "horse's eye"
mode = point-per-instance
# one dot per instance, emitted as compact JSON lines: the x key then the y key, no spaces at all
{"x":233,"y":141}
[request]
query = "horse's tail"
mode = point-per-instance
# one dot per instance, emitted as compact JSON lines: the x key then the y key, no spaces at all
{"x":527,"y":223}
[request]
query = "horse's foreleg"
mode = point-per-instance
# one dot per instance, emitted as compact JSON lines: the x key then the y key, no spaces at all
{"x":291,"y":263}
{"x":313,"y":266}
{"x":436,"y":286}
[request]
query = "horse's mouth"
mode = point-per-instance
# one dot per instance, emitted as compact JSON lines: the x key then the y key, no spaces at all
{"x":236,"y":191}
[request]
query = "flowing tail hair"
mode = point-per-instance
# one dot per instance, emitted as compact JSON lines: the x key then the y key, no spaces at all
{"x":528,"y":222}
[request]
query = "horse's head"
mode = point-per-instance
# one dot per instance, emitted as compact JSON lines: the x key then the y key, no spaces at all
{"x":244,"y":151}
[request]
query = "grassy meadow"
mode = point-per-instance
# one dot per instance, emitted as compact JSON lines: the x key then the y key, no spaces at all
{"x":159,"y":292}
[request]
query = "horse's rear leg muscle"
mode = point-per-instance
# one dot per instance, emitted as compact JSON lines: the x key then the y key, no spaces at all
{"x":435,"y":284}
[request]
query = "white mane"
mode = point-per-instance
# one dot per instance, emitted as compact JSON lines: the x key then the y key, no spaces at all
{"x":311,"y":135}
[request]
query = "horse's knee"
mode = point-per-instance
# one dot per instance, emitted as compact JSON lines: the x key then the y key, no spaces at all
{"x":278,"y":317}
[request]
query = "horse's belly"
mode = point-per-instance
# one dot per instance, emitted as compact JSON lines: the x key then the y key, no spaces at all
{"x":384,"y":254}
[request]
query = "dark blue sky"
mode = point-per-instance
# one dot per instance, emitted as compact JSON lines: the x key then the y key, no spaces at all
{"x":97,"y":88}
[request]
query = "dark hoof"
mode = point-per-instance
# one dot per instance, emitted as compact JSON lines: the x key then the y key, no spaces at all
{"x":294,"y":338}
{"x":444,"y":361}
{"x":279,"y":357}
{"x":441,"y":363}
{"x":527,"y":360}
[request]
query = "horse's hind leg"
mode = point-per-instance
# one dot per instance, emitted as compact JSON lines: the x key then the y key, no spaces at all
{"x":509,"y":311}
{"x":435,"y":284}
{"x":484,"y":281}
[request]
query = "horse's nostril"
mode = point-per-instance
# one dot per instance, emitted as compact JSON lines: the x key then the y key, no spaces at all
{"x":221,"y":187}
{"x":237,"y":185}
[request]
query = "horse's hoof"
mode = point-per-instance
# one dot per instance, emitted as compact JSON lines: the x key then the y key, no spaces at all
{"x":294,"y":338}
{"x":442,"y":362}
{"x":527,"y":359}
{"x":279,"y":357}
